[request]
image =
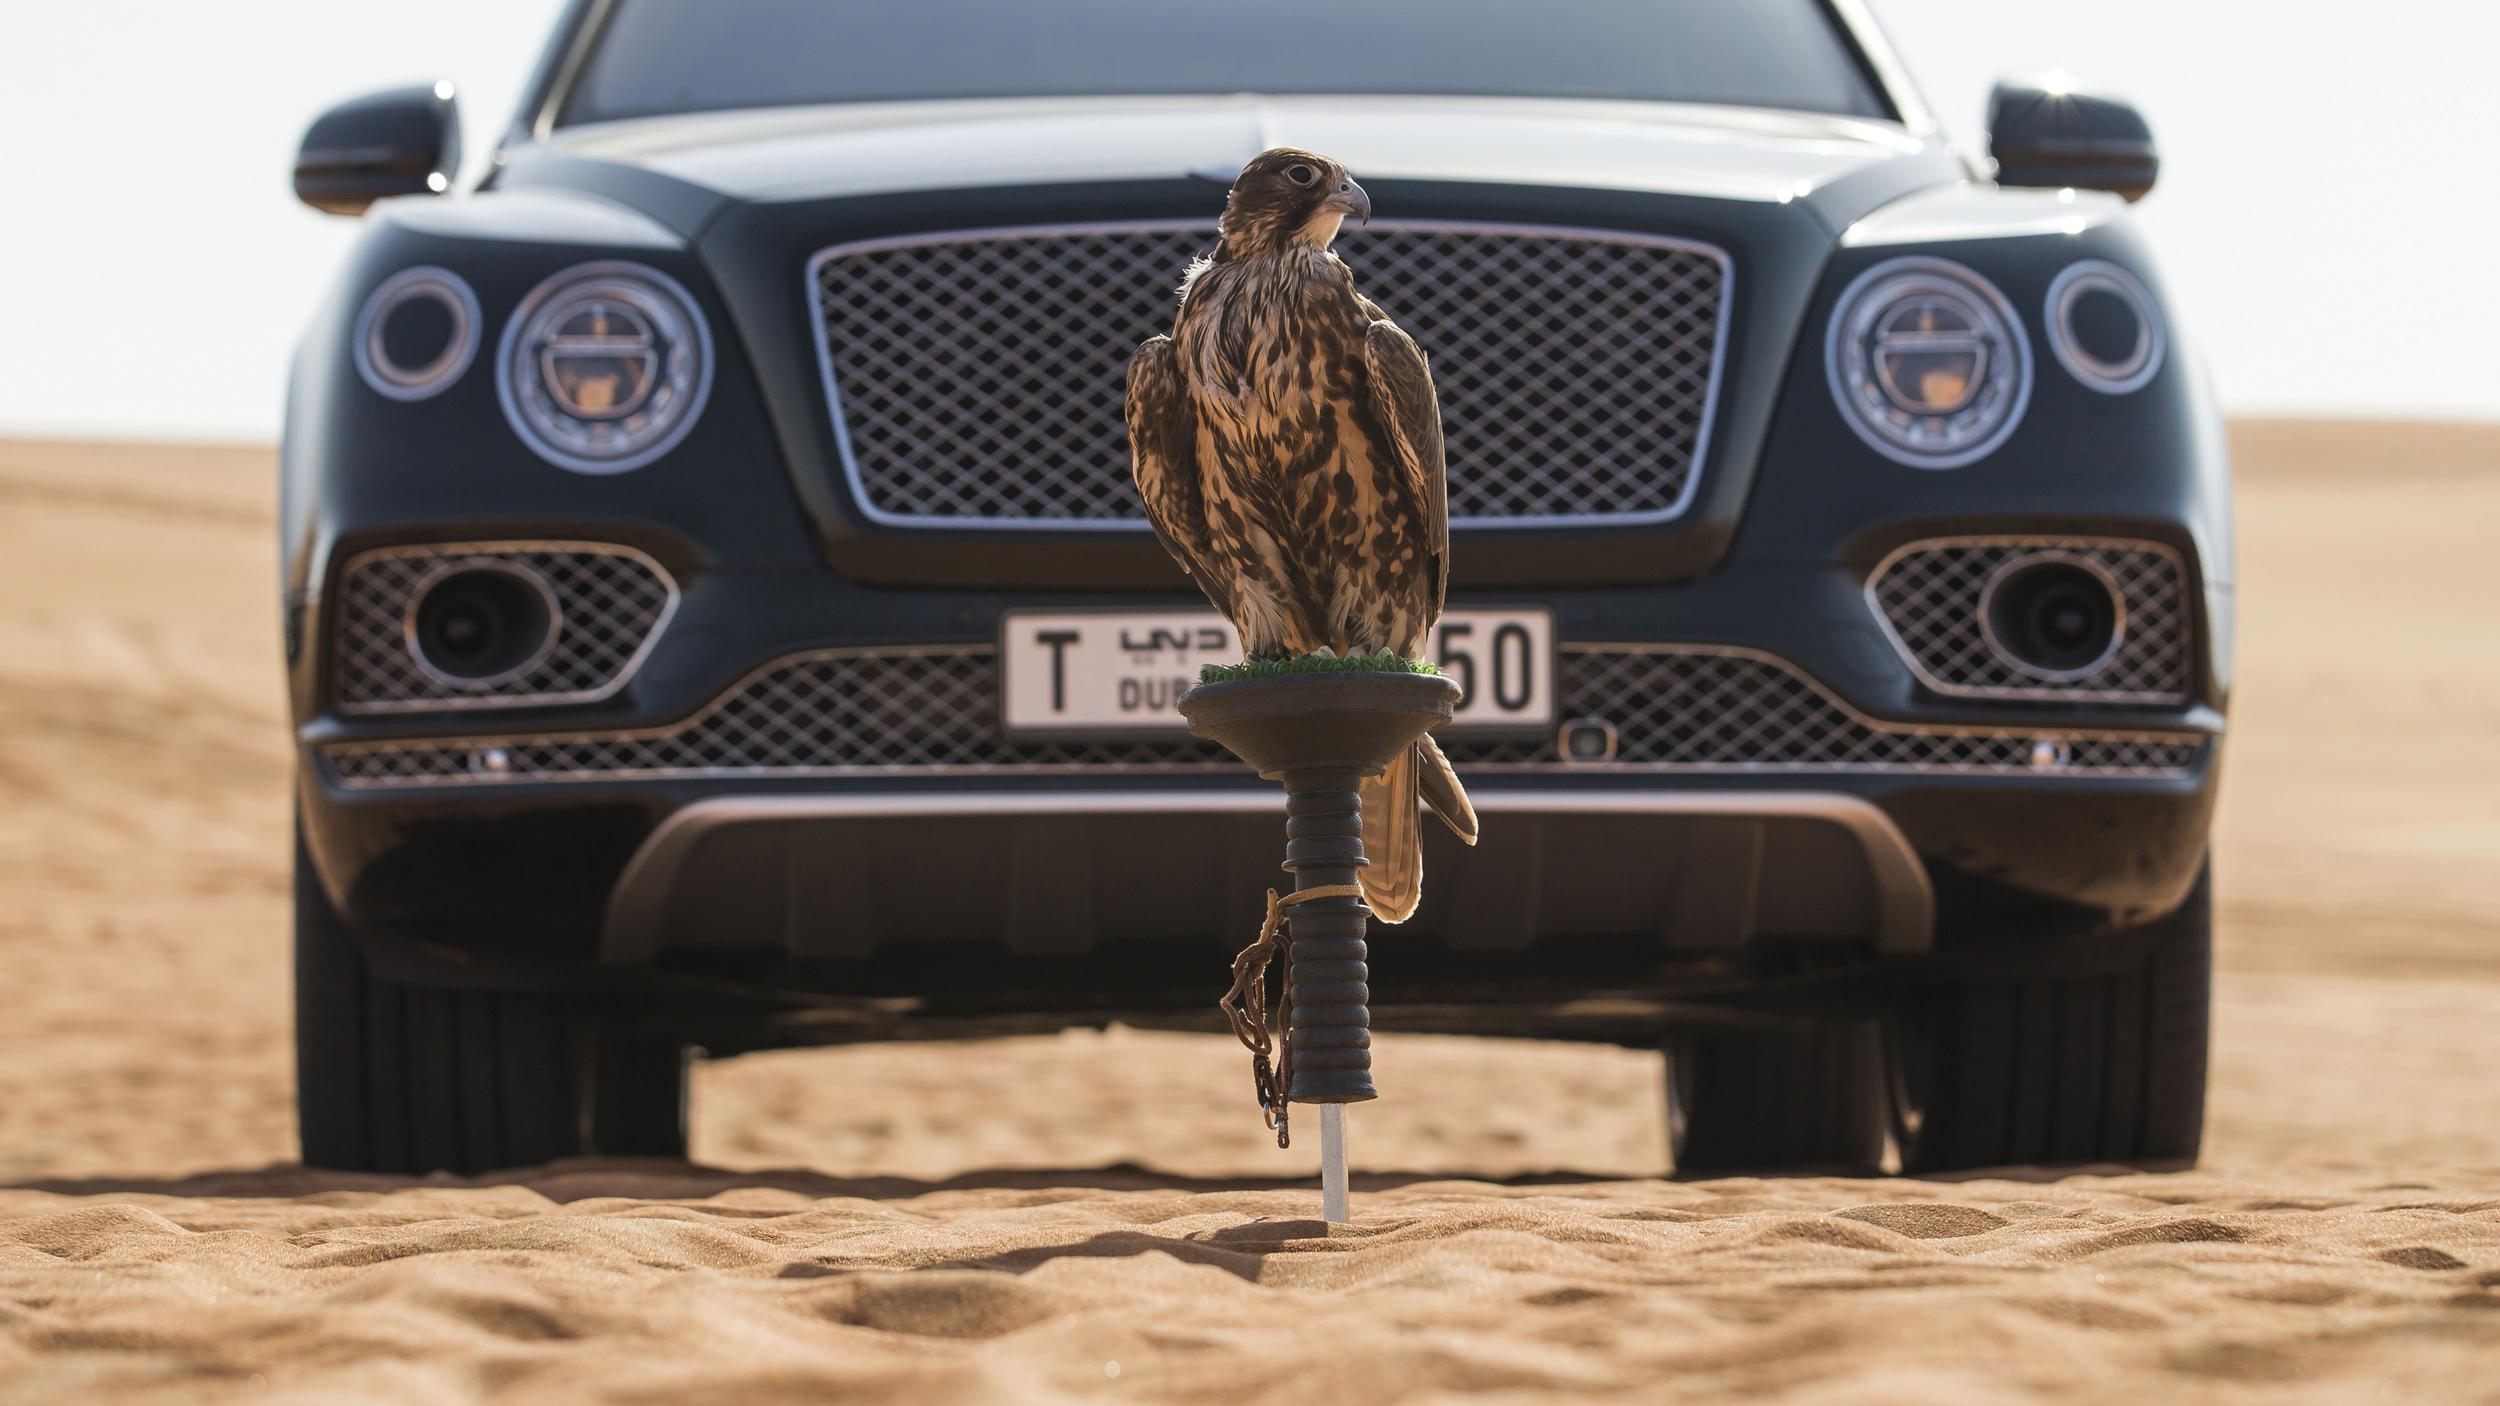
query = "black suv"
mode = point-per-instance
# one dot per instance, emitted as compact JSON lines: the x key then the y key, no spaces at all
{"x":719,"y":615}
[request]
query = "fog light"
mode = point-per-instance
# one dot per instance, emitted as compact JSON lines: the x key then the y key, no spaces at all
{"x":2054,"y":616}
{"x":474,"y":624}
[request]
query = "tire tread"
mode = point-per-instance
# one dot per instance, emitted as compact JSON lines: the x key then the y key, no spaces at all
{"x":1777,"y":1100}
{"x":406,"y":1079}
{"x":2099,"y":1067}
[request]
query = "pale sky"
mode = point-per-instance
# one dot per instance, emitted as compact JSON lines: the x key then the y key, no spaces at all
{"x":2326,"y":214}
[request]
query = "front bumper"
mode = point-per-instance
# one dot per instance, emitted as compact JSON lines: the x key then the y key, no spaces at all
{"x":1785,"y":784}
{"x":985,"y":906}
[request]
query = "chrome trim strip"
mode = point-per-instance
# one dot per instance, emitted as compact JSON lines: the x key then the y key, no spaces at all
{"x":814,"y":297}
{"x":487,"y":747}
{"x":2044,"y":545}
{"x":1905,"y":899}
{"x":456,"y":552}
{"x":568,"y":69}
{"x":1892,"y":75}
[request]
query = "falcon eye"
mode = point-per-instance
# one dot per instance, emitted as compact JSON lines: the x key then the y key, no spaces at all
{"x":1301,"y":175}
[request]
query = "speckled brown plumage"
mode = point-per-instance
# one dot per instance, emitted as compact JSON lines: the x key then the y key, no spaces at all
{"x":1287,"y":445}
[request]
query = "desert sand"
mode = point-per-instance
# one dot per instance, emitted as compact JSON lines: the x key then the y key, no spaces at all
{"x":1098,"y":1215}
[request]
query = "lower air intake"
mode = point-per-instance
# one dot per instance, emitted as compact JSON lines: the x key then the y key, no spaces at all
{"x":603,"y":607}
{"x":930,"y":711}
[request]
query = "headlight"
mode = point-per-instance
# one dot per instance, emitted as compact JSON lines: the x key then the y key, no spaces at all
{"x":604,"y":367}
{"x":1928,"y":362}
{"x":416,"y":333}
{"x":2104,"y":327}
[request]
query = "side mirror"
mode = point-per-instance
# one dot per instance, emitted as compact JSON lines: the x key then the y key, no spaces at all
{"x":2045,"y":132}
{"x":403,"y":142}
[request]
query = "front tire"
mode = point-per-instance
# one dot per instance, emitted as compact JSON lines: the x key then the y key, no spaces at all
{"x":392,"y":1077}
{"x":1781,"y":1099}
{"x":2105,"y":1066}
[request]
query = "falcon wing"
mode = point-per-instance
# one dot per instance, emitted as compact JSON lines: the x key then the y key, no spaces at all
{"x":1163,"y":454}
{"x":1401,"y":395}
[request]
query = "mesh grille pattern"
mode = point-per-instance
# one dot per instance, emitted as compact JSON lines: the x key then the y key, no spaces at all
{"x":1719,"y":709}
{"x":1929,"y":596}
{"x":610,"y":604}
{"x":978,"y":377}
{"x":849,"y":712}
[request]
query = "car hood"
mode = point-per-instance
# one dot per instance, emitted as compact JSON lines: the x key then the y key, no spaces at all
{"x":874,"y":148}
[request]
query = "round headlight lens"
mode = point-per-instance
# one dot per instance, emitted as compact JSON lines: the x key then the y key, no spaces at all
{"x":416,"y":333}
{"x":605,"y":367}
{"x":2104,"y":327}
{"x":1928,"y":362}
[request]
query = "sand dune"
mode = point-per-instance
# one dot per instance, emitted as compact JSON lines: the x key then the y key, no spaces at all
{"x":1095,"y":1216}
{"x":658,"y":1286}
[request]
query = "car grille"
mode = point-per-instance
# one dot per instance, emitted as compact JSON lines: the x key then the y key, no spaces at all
{"x":1931,"y":597}
{"x":928,"y":711}
{"x":976,"y":378}
{"x":609,"y":605}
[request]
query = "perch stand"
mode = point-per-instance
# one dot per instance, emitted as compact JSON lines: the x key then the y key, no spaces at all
{"x":1321,"y":734}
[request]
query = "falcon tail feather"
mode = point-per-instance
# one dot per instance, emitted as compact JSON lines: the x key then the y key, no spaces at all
{"x":1393,"y":841}
{"x":1442,"y":790}
{"x":1393,"y":807}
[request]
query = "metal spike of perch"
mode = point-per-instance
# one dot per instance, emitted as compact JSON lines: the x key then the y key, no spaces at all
{"x":1321,"y":734}
{"x":1332,"y":1187}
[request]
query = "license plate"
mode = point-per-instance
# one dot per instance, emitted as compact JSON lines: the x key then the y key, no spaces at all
{"x":1105,"y":673}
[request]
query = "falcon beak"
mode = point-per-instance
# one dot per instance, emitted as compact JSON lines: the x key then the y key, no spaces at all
{"x":1351,"y":199}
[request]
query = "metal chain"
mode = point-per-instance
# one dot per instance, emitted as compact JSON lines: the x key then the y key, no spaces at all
{"x":1245,"y":1007}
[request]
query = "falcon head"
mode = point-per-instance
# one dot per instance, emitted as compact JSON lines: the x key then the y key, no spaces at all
{"x":1289,"y":196}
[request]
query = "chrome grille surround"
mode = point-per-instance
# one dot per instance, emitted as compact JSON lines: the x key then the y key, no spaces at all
{"x":975,"y":377}
{"x":610,"y":604}
{"x":1929,"y":596}
{"x":933,"y":710}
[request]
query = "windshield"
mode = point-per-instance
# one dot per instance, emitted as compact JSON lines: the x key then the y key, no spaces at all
{"x":665,"y":56}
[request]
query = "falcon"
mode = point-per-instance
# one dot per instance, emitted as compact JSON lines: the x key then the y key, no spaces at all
{"x":1287,"y":444}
